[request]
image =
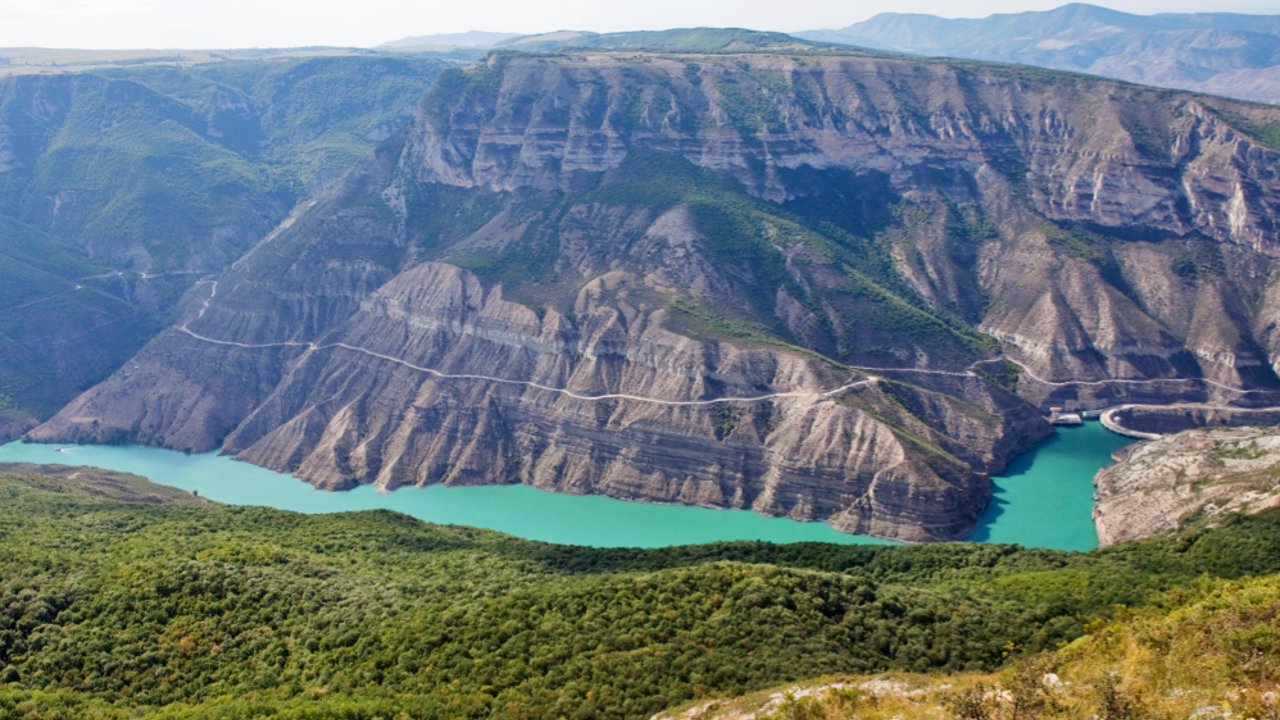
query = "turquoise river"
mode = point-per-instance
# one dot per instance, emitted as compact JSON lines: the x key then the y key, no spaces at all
{"x":1044,"y":499}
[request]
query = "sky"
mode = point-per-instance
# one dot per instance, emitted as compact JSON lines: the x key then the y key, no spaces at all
{"x":135,"y":24}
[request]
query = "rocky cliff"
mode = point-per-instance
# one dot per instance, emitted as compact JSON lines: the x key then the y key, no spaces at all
{"x":1193,"y":477}
{"x":754,"y":281}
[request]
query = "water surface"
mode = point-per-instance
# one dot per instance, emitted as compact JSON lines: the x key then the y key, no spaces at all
{"x":1045,"y":497}
{"x":1044,"y":500}
{"x":516,"y":509}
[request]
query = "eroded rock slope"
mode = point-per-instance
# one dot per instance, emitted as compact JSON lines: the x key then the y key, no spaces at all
{"x":1195,"y":476}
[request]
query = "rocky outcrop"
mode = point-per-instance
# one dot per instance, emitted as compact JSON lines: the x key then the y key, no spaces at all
{"x":1170,"y":419}
{"x":737,"y":282}
{"x":1195,"y":476}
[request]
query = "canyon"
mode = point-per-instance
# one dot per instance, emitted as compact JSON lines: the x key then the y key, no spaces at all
{"x":829,"y":286}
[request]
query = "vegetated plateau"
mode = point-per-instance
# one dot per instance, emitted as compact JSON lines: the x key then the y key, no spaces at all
{"x":121,"y":599}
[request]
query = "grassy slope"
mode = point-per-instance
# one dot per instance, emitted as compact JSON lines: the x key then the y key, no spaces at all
{"x":319,"y":116}
{"x":214,"y":611}
{"x":43,"y":290}
{"x":1210,"y":649}
{"x":169,"y":157}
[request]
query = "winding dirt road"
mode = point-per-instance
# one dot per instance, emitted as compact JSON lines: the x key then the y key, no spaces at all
{"x":312,"y":347}
{"x":868,"y":380}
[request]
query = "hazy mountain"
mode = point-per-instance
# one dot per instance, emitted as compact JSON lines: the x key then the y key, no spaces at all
{"x":684,"y":40}
{"x":1219,"y":53}
{"x":772,"y":281}
{"x":473,"y":38}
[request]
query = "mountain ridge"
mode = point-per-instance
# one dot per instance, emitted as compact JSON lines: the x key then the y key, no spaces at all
{"x":1218,"y":53}
{"x":471,"y":38}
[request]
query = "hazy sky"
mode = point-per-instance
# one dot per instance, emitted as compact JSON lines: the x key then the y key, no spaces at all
{"x":290,"y":23}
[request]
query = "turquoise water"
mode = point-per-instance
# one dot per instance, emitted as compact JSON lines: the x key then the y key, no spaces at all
{"x":517,"y":509}
{"x":1044,"y":500}
{"x":1045,"y":496}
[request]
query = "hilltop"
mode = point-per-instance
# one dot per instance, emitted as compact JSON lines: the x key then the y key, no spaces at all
{"x":1206,"y":650}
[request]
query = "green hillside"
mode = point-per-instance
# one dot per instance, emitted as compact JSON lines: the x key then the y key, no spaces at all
{"x":185,"y":610}
{"x":145,"y":179}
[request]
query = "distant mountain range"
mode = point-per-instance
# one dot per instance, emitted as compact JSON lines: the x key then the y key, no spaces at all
{"x":700,"y":39}
{"x":1219,"y":53}
{"x":473,"y":38}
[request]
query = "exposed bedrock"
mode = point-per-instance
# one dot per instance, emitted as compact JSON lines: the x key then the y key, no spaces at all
{"x":1167,"y":420}
{"x":1109,"y":154}
{"x":1193,"y":477}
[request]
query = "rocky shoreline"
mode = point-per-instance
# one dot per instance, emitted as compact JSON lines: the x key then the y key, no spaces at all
{"x":1190,"y":477}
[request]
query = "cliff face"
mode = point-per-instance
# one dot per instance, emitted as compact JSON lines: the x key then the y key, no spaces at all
{"x":1093,"y":152}
{"x":744,"y":282}
{"x":1195,"y":476}
{"x":1098,"y":201}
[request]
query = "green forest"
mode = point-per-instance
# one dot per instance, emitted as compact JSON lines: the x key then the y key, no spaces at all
{"x":131,"y":600}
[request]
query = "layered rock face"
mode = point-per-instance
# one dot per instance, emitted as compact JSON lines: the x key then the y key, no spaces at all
{"x":1167,"y":420}
{"x":1195,"y":476}
{"x":735,"y":282}
{"x":1102,"y":197}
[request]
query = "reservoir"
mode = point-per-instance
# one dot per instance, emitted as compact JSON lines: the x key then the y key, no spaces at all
{"x":1045,"y":499}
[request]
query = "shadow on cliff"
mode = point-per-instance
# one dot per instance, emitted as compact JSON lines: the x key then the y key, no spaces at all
{"x":1017,"y":470}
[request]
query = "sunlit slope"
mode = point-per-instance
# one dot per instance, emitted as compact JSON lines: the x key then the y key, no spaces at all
{"x":1207,"y":649}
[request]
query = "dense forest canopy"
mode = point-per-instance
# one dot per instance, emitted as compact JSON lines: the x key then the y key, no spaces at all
{"x":128,"y":603}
